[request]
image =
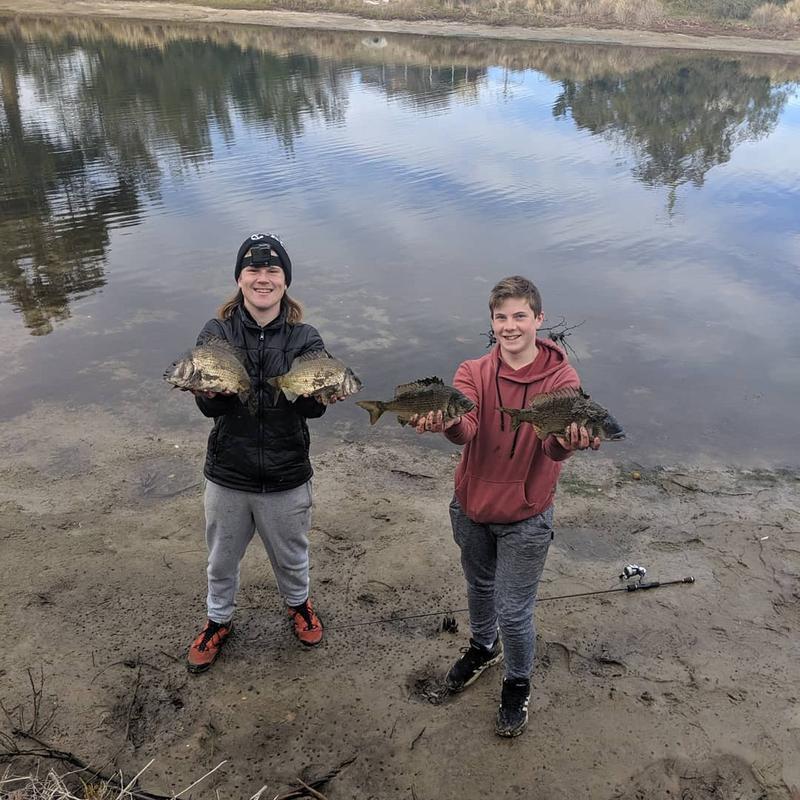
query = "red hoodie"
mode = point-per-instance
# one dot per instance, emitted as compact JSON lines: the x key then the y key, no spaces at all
{"x":505,"y":476}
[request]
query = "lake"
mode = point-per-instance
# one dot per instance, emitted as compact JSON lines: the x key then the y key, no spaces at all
{"x":653,"y":196}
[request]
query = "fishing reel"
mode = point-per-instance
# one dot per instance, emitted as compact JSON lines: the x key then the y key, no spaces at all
{"x":633,"y":571}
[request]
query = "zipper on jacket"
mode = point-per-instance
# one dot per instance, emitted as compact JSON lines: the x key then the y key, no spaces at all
{"x":260,"y":415}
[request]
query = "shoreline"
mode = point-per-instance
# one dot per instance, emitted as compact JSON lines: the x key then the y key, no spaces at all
{"x":176,"y":12}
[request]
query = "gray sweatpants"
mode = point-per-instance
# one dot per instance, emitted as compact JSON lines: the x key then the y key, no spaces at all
{"x":282,"y":520}
{"x":502,"y":566}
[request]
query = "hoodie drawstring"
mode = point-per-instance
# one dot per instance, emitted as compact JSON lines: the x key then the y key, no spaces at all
{"x":500,"y":405}
{"x":499,"y":396}
{"x":516,"y":432}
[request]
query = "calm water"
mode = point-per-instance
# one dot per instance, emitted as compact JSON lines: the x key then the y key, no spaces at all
{"x":654,"y":197}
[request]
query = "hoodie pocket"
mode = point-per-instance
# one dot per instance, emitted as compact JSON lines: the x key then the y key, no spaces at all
{"x":487,"y":501}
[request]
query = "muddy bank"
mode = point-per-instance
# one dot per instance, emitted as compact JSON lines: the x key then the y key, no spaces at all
{"x":682,"y":689}
{"x":136,"y":9}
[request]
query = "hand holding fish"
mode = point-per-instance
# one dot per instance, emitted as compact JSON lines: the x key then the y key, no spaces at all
{"x":577,"y":438}
{"x":433,"y":421}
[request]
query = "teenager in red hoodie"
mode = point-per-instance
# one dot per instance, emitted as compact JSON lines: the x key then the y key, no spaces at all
{"x":502,"y":511}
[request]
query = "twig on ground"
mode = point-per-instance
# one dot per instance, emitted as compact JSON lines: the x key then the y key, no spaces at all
{"x":46,"y":751}
{"x":191,"y":786}
{"x":417,"y":738}
{"x":35,"y":725}
{"x":313,"y":792}
{"x":413,"y":474}
{"x":133,"y":702}
{"x":317,"y":784}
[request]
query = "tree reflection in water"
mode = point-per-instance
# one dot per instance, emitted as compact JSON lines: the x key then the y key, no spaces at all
{"x":111,"y":107}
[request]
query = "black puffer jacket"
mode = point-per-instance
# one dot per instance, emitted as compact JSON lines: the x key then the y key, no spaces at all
{"x":266,"y":451}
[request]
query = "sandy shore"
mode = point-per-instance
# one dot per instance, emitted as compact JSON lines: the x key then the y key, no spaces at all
{"x":195,"y":13}
{"x":683,"y":691}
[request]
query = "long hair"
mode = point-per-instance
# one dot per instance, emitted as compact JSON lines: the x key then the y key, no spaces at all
{"x":293,"y":309}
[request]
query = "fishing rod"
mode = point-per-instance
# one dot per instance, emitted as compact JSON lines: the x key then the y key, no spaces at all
{"x":629,"y":571}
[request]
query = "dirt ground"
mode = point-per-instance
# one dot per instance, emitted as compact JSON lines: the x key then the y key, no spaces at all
{"x":694,"y":36}
{"x":686,"y":691}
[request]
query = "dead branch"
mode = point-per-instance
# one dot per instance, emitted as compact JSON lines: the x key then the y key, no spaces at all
{"x":47,"y":751}
{"x":413,"y":474}
{"x":317,"y":784}
{"x":313,"y":792}
{"x":417,"y":738}
{"x":713,"y":492}
{"x":35,"y":725}
{"x":133,"y":702}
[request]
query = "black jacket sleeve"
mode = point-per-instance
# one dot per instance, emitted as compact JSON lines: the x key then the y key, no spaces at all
{"x":308,"y":406}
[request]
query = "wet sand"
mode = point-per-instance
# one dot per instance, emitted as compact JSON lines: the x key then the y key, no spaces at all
{"x":134,"y":9}
{"x":682,"y":691}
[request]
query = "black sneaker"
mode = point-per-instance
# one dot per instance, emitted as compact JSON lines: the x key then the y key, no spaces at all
{"x":475,"y":660}
{"x":512,"y":716}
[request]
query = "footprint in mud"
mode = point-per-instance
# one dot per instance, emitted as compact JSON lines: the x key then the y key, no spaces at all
{"x":427,"y":685}
{"x":723,"y":776}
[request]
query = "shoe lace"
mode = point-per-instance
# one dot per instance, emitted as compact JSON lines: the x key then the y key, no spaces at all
{"x":474,"y":655}
{"x":305,"y":612}
{"x":209,"y":631}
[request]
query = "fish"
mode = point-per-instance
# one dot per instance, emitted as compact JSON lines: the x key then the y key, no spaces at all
{"x":418,"y":398}
{"x":214,"y":366}
{"x":554,"y":412}
{"x":319,"y":374}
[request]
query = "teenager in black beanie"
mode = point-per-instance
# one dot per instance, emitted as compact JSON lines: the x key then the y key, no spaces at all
{"x":257,"y":468}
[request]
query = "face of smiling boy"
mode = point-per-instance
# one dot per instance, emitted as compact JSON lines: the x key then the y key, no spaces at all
{"x":263,"y":289}
{"x":514,"y":325}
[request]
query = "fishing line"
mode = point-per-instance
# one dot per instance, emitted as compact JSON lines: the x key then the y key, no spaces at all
{"x":632,"y":587}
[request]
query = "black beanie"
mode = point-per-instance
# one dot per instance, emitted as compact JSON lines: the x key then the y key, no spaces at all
{"x":277,"y":246}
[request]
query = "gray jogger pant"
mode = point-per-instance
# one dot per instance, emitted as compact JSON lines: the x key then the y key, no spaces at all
{"x":282,"y":520}
{"x":502,"y":565}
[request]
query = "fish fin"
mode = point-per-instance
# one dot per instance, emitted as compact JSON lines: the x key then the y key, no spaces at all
{"x":218,"y":343}
{"x":289,"y":394}
{"x":542,"y":400}
{"x":513,"y":413}
{"x":374,"y":407}
{"x":312,"y":355}
{"x":422,"y":383}
{"x":250,"y":402}
{"x":541,"y":435}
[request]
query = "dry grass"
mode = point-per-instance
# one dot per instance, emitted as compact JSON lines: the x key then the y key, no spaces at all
{"x":69,"y":786}
{"x":775,"y":17}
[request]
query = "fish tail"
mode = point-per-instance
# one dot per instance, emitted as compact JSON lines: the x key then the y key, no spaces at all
{"x":374,"y":407}
{"x":250,"y":402}
{"x":514,"y":414}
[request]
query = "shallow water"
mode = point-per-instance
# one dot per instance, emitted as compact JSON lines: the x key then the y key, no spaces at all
{"x":653,"y":197}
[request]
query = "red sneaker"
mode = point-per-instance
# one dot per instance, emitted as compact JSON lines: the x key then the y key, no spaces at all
{"x":307,"y":625}
{"x":205,"y":648}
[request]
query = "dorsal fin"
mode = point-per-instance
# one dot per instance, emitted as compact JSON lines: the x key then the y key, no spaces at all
{"x":312,"y":355}
{"x":569,"y":392}
{"x":414,"y":386}
{"x":218,"y":343}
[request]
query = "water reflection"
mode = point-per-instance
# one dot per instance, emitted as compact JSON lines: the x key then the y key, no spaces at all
{"x":112,"y":108}
{"x":679,"y":119}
